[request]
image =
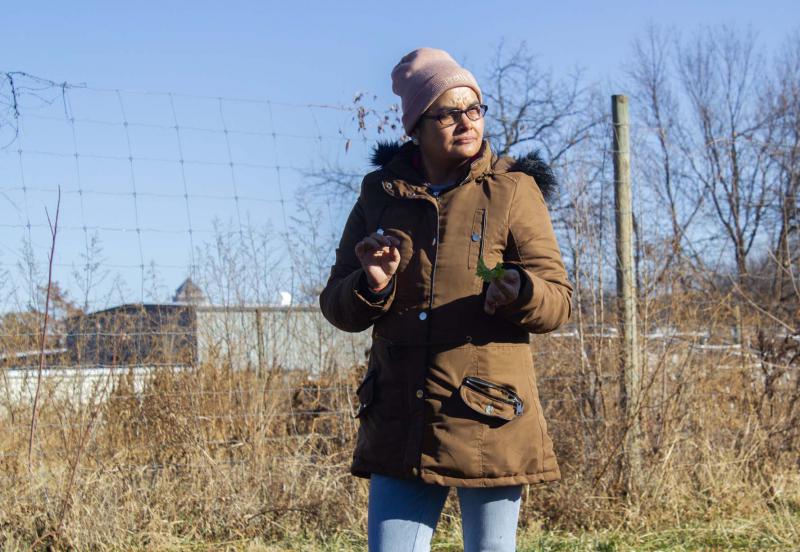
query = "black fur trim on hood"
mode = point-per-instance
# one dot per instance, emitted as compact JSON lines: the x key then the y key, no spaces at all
{"x":530,"y":163}
{"x":383,"y":152}
{"x":533,"y":165}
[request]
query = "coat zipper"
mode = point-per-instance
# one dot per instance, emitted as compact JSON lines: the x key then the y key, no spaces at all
{"x":483,"y":232}
{"x":435,"y":253}
{"x":436,"y":247}
{"x":436,"y":250}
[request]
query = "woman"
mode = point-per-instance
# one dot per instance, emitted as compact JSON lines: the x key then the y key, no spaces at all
{"x":449,"y":398}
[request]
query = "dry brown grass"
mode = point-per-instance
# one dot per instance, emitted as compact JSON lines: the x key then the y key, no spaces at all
{"x":215,"y":455}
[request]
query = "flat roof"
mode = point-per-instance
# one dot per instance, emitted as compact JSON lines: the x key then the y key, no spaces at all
{"x":208,"y":308}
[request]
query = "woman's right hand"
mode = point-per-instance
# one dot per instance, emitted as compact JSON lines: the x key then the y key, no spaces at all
{"x":379,"y":256}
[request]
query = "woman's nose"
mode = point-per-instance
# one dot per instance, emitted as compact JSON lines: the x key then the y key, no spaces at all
{"x":464,"y":121}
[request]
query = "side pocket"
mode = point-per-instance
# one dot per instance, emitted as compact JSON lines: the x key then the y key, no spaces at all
{"x":490,"y":399}
{"x":365,"y":393}
{"x":476,"y":238}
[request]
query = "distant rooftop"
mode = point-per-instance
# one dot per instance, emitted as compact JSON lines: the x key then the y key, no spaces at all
{"x":190,"y":293}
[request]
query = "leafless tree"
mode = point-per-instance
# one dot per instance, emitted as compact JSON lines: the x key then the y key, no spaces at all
{"x":239,"y":265}
{"x":720,"y":71}
{"x":309,"y":249}
{"x":334,"y":183}
{"x":528,"y":105}
{"x":659,"y":123}
{"x":782,"y":99}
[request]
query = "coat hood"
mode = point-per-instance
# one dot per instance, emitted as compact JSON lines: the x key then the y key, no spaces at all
{"x":530,"y":163}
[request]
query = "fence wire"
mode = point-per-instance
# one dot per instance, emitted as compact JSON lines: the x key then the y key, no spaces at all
{"x":177,"y":251}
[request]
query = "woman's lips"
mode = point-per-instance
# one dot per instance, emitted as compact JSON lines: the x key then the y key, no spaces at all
{"x":464,"y":140}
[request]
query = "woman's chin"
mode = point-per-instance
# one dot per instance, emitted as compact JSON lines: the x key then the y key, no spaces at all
{"x":466,"y":148}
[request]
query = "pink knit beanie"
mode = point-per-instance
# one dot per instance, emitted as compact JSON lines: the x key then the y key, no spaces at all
{"x":422,"y":76}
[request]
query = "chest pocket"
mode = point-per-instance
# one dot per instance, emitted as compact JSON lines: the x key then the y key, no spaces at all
{"x":476,"y":238}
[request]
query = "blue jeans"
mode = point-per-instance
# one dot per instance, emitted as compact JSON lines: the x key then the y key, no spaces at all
{"x":403,"y":513}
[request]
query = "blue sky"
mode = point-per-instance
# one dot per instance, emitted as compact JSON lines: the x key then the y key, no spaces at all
{"x":320,"y":51}
{"x":295,"y":52}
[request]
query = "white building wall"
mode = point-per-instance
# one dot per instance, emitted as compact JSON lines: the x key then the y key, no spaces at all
{"x":290,"y":338}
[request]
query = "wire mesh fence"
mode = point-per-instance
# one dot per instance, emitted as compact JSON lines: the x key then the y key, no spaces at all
{"x":235,"y":380}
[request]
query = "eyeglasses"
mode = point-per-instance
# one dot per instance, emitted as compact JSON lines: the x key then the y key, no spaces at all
{"x":453,"y":116}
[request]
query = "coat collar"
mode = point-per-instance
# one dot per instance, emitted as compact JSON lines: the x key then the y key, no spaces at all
{"x":530,"y":163}
{"x":406,"y":178}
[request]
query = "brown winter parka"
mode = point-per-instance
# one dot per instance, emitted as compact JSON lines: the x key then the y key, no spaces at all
{"x":450,"y":394}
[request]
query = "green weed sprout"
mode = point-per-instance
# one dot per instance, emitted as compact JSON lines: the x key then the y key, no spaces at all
{"x":489,"y":275}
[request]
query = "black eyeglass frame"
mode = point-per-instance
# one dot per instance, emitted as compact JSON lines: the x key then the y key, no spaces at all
{"x":456,"y":114}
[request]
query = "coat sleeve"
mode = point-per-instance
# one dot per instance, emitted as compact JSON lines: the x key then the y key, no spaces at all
{"x":345,"y":301}
{"x":545,"y":299}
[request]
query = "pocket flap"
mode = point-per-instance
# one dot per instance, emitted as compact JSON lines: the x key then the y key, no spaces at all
{"x":486,"y":405}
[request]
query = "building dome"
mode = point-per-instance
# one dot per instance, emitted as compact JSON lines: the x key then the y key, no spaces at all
{"x":189,"y":292}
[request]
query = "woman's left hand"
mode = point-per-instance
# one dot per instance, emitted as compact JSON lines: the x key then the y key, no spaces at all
{"x":502,"y":291}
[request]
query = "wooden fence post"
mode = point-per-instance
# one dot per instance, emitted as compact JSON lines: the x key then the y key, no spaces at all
{"x":626,"y":294}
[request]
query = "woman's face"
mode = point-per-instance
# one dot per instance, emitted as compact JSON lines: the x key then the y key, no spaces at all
{"x":448,"y":144}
